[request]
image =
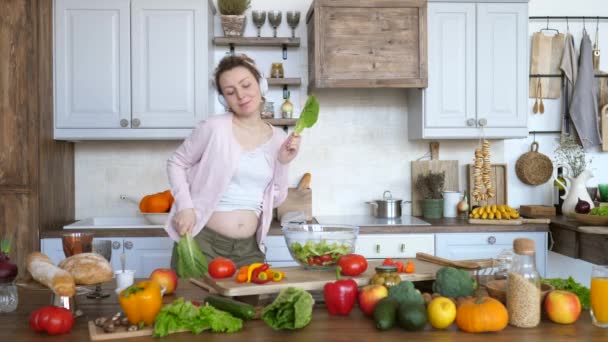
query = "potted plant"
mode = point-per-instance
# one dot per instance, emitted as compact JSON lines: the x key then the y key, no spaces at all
{"x":232,"y":17}
{"x":430,"y":187}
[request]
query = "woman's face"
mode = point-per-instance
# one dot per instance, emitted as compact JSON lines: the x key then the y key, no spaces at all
{"x":241,"y":91}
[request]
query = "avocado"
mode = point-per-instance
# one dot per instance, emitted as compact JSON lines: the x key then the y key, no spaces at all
{"x":411,"y":316}
{"x":385,"y":313}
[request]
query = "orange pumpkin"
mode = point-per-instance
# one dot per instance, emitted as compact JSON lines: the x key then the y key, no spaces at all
{"x":157,"y":203}
{"x":482,"y":314}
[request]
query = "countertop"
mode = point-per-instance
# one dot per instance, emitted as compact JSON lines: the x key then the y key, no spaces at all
{"x":323,"y":327}
{"x":444,"y":225}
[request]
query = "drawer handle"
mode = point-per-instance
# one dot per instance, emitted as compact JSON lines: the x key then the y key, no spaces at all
{"x":377,"y":248}
{"x":491,"y":240}
{"x":128,"y":244}
{"x":116,"y":245}
{"x":402,"y":247}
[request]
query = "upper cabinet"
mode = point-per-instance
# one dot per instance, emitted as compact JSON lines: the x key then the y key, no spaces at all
{"x":367,"y":44}
{"x":131,"y":69}
{"x":478,"y":73}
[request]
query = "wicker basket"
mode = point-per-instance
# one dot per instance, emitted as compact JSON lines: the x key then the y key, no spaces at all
{"x":233,"y":25}
{"x":534,"y":168}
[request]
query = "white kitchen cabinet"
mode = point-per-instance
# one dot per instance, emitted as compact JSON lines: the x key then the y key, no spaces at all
{"x":467,"y":246}
{"x":143,"y":254}
{"x":478,"y":64}
{"x":371,"y":246}
{"x":131,"y":69}
{"x":376,"y":246}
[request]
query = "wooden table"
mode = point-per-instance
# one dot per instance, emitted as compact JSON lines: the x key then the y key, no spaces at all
{"x":356,"y":327}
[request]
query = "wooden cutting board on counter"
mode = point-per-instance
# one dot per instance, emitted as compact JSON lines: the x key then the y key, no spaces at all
{"x":514,"y":222}
{"x":311,"y":280}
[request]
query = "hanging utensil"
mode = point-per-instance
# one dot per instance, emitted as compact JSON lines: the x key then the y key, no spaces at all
{"x":535,"y":107}
{"x":596,"y":49}
{"x":541,"y":106}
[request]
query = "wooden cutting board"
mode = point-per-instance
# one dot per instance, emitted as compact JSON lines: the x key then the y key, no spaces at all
{"x":514,"y":222}
{"x":498,"y":177}
{"x":312,"y":280}
{"x":424,"y":167}
{"x":97,"y":334}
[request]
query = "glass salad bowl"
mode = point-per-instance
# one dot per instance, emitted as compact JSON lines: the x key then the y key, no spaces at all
{"x":319,"y":247}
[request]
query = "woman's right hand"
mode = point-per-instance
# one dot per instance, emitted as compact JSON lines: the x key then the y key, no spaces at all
{"x":184,"y":221}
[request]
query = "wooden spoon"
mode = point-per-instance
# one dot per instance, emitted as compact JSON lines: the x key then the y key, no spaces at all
{"x":535,"y":107}
{"x":541,"y":107}
{"x":469,"y":265}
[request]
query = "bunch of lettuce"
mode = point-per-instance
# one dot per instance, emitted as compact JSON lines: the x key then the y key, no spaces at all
{"x":583,"y":293}
{"x":601,"y":211}
{"x":292,"y":309}
{"x":191,"y":262}
{"x":183,"y":315}
{"x":309,"y":115}
{"x":312,"y":249}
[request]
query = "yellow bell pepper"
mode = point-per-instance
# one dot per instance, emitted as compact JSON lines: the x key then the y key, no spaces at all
{"x":141,"y":302}
{"x":275,"y":275}
{"x":250,"y":270}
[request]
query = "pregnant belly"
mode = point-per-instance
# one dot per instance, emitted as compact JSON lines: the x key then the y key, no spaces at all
{"x":237,"y":224}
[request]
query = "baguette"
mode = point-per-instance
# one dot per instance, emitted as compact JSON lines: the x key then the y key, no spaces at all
{"x":304,"y":182}
{"x":88,"y":268}
{"x":45,"y":272}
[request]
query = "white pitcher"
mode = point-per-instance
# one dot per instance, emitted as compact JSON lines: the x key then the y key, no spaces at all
{"x":575,"y":188}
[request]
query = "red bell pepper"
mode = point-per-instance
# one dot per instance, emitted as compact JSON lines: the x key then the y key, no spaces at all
{"x":341,"y":295}
{"x":259,"y":275}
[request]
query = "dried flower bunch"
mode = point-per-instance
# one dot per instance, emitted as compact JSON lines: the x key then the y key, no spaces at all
{"x":431,"y":186}
{"x":572,"y":155}
{"x":233,"y":7}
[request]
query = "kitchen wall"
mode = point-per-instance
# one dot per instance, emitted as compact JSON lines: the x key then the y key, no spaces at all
{"x":358,"y":149}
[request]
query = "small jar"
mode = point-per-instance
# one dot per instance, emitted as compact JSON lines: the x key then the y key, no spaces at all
{"x":268,"y":110}
{"x":386,"y":275}
{"x":523,"y":286}
{"x":276,"y":70}
{"x":9,"y":297}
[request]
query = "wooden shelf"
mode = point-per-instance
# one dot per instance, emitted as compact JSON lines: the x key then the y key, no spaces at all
{"x":284,"y":81}
{"x":256,"y":41}
{"x":282,"y":122}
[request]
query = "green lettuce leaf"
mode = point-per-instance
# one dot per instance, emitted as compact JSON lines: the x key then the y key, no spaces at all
{"x":292,"y":309}
{"x":183,"y":315}
{"x":309,"y":115}
{"x":191,"y":262}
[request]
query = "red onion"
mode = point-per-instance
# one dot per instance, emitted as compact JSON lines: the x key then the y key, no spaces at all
{"x":8,"y":270}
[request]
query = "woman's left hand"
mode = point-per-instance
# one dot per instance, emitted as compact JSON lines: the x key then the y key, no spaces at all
{"x":289,"y":149}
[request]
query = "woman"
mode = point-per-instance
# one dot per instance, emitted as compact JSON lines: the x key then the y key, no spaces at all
{"x":231,"y":171}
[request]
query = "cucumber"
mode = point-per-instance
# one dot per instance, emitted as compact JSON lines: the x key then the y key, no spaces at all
{"x":235,"y":308}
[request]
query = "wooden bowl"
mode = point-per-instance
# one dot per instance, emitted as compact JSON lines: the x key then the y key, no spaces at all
{"x":496,"y":290}
{"x":592,"y":220}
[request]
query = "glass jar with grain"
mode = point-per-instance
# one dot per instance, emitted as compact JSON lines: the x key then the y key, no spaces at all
{"x":523,"y":286}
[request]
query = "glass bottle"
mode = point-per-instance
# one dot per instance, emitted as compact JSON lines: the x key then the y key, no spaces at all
{"x":523,"y":286}
{"x":386,"y":275}
{"x":9,"y":297}
{"x":287,"y":108}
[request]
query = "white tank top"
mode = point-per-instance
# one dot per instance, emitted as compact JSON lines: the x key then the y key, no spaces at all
{"x":246,"y":188}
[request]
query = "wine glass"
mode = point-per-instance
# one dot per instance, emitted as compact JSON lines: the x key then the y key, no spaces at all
{"x":258,"y":18}
{"x":274,"y":18}
{"x":293,"y":20}
{"x":76,"y":243}
{"x":103,"y":248}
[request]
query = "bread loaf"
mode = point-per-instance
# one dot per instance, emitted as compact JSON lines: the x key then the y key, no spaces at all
{"x":304,"y":183}
{"x":88,"y":268}
{"x":45,"y":272}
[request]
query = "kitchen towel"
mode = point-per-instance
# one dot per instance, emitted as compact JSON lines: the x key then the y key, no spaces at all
{"x":569,"y":69}
{"x":583,"y":109}
{"x":546,"y":55}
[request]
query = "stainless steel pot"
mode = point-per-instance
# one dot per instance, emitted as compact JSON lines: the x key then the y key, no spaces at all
{"x":387,"y":207}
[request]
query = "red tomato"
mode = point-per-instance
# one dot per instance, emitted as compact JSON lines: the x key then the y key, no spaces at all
{"x":388,"y":261}
{"x":400,"y":267}
{"x":326,"y":257}
{"x":221,"y":268}
{"x":52,"y":319}
{"x":352,"y":264}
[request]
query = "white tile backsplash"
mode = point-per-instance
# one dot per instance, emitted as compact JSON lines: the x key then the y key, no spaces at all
{"x":357,"y":149}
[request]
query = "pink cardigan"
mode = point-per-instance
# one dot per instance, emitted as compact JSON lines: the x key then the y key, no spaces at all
{"x":201,"y":168}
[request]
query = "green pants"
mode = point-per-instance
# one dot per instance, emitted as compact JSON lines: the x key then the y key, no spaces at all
{"x":240,"y":251}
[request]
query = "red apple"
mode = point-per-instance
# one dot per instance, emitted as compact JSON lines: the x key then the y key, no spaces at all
{"x":165,"y":277}
{"x":370,"y":295}
{"x":562,"y":306}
